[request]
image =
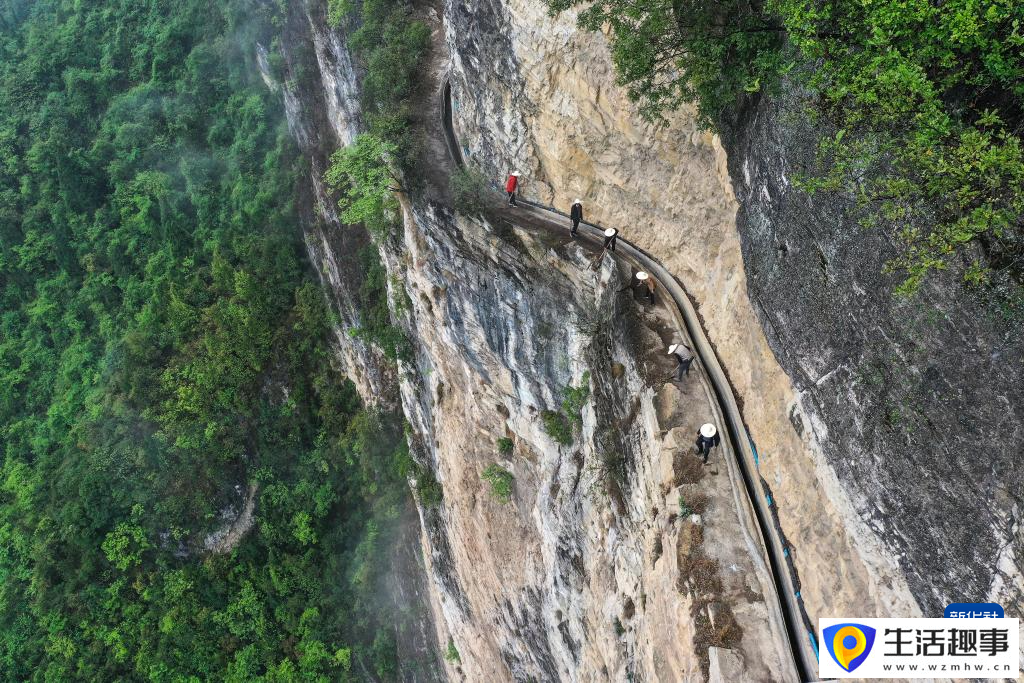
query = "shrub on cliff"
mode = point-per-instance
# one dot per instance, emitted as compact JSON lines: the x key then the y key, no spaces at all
{"x":557,"y":427}
{"x":575,"y":398}
{"x":428,"y":488}
{"x":391,"y":47}
{"x":500,"y":480}
{"x":362,"y":174}
{"x":561,"y":425}
{"x":469,"y":191}
{"x":452,"y":653}
{"x":375,"y":319}
{"x":688,"y":51}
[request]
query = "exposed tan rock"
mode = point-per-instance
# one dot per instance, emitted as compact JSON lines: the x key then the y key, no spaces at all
{"x":560,"y":118}
{"x":564,"y":583}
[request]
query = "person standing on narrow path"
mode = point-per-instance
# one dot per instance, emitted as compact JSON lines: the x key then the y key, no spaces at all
{"x":707,"y":438}
{"x":611,"y":235}
{"x":684,"y":359}
{"x":511,"y":185}
{"x":575,"y":215}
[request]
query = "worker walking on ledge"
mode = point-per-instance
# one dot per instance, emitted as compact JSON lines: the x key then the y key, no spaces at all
{"x":684,"y":359}
{"x":575,"y":215}
{"x":610,"y":237}
{"x":511,"y":185}
{"x":707,"y":439}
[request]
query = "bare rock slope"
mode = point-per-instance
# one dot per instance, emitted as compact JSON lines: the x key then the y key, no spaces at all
{"x":591,"y":572}
{"x":533,"y":93}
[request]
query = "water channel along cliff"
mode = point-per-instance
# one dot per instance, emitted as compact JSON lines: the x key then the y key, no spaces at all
{"x":619,"y":556}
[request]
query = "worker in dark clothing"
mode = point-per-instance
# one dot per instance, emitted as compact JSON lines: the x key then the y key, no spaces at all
{"x":684,"y":359}
{"x":511,"y":185}
{"x":707,"y":439}
{"x":611,"y":235}
{"x":575,"y":215}
{"x":646,"y":284}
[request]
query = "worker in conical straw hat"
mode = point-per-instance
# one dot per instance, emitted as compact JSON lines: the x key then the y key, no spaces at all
{"x":646,"y":282}
{"x":707,"y":438}
{"x":575,"y":216}
{"x":684,"y":359}
{"x":610,"y":237}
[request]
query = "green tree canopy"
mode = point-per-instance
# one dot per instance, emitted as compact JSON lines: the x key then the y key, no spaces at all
{"x":163,"y":347}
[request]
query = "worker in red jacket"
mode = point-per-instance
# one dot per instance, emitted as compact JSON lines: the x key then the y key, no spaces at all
{"x":511,"y":185}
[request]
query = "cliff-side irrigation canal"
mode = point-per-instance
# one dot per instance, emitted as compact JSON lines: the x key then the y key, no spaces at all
{"x":786,"y":604}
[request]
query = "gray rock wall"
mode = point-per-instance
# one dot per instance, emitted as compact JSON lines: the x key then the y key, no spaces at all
{"x":534,"y":93}
{"x":917,"y":404}
{"x":848,"y":438}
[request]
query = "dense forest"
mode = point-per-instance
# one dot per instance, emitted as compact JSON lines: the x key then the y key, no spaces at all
{"x":163,"y":348}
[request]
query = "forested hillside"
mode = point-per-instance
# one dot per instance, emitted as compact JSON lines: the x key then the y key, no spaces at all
{"x":162,"y":348}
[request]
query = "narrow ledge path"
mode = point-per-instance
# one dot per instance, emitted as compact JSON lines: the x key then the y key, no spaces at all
{"x":765,"y":539}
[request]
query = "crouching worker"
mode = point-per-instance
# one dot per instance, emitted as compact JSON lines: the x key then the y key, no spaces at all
{"x":646,"y":284}
{"x":684,"y":359}
{"x":611,"y":236}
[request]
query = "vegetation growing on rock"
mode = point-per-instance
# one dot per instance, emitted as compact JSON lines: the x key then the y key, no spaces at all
{"x":391,"y":46}
{"x":362,"y":174}
{"x":561,"y":425}
{"x":428,"y":487}
{"x":575,"y":398}
{"x":557,"y":427}
{"x":500,"y":480}
{"x":452,"y":653}
{"x":923,"y":103}
{"x":470,"y":193}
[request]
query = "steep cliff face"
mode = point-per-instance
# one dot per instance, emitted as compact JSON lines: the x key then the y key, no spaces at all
{"x":319,"y":87}
{"x":917,"y":404}
{"x":533,"y":93}
{"x":321,"y":99}
{"x":583,"y":574}
{"x":589,"y":573}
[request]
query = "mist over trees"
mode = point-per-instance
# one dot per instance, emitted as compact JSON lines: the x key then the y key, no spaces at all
{"x":163,"y":347}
